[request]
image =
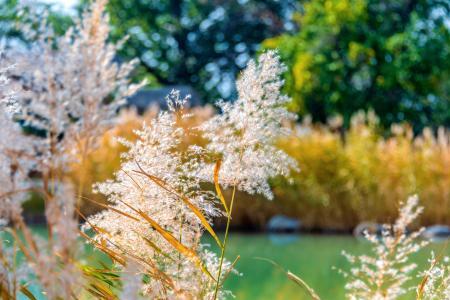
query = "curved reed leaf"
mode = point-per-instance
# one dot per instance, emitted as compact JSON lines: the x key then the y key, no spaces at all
{"x":112,"y":208}
{"x":176,"y":244}
{"x":116,"y":256}
{"x":291,"y":276}
{"x":185,"y":200}
{"x":217,"y":185}
{"x":156,"y":248}
{"x":170,"y":239}
{"x":27,"y":292}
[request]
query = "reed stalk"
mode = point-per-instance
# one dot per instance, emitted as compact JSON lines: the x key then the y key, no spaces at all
{"x":224,"y":243}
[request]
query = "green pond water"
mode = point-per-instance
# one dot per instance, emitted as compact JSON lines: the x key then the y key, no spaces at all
{"x":312,"y":257}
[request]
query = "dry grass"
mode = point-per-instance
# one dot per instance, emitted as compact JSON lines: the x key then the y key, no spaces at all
{"x":104,"y":161}
{"x":363,"y":176}
{"x":344,"y":179}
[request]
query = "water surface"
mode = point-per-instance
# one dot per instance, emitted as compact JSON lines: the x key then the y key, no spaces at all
{"x":314,"y":258}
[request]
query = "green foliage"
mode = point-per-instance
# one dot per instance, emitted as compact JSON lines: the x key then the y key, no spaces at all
{"x":7,"y":17}
{"x":11,"y":17}
{"x":391,"y":56}
{"x":200,"y":43}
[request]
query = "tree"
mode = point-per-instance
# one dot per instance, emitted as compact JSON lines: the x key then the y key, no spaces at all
{"x":14,"y":13}
{"x":7,"y":16}
{"x":196,"y":42}
{"x":390,"y":56}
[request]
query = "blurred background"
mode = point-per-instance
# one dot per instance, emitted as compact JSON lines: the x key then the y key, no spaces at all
{"x":369,"y":80}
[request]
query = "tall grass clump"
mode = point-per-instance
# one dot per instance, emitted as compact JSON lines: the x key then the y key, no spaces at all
{"x":363,"y":175}
{"x":385,"y":274}
{"x":244,"y":136}
{"x":65,"y":91}
{"x":347,"y":177}
{"x":68,"y":88}
{"x":387,"y":271}
{"x":158,"y":211}
{"x":159,"y":186}
{"x":102,"y":162}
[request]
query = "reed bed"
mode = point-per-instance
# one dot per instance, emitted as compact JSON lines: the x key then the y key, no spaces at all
{"x":345,"y":178}
{"x":362,"y":175}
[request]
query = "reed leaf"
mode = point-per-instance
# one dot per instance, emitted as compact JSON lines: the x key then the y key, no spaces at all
{"x":302,"y":284}
{"x":112,"y":208}
{"x":230,"y":269}
{"x":24,"y":289}
{"x":102,"y":246}
{"x":217,"y":186}
{"x":115,"y":256}
{"x":104,"y":275}
{"x":104,"y":290}
{"x":176,"y":244}
{"x":185,"y":200}
{"x":294,"y":278}
{"x":21,"y":245}
{"x":156,"y":248}
{"x":4,"y":293}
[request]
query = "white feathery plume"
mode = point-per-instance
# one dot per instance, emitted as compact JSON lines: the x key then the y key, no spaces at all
{"x":12,"y":272}
{"x":13,"y":147}
{"x":131,"y":282}
{"x":383,"y":276}
{"x":54,"y":266}
{"x":70,"y":87}
{"x":245,"y":133}
{"x":435,"y":283}
{"x":156,"y":154}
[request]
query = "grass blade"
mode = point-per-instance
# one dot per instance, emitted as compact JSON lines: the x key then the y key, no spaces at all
{"x":112,"y":254}
{"x":303,"y":284}
{"x":27,"y":292}
{"x":176,"y":244}
{"x":185,"y":200}
{"x":294,"y":278}
{"x":115,"y":256}
{"x":167,"y":236}
{"x":230,"y":269}
{"x":112,"y":208}
{"x":217,"y":185}
{"x":156,"y":248}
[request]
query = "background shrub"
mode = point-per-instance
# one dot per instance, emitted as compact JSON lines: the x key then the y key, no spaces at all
{"x":390,"y":56}
{"x":345,"y":178}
